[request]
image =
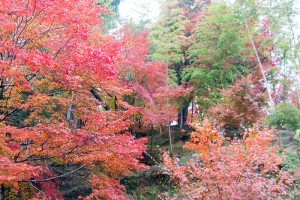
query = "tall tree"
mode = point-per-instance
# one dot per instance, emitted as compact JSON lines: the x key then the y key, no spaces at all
{"x":283,"y":22}
{"x":221,"y":52}
{"x":147,"y":80}
{"x":216,"y":54}
{"x":169,"y":42}
{"x":242,"y":104}
{"x":56,"y":67}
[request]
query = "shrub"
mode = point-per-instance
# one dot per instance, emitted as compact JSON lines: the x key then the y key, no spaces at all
{"x":285,"y":114}
{"x":241,"y":170}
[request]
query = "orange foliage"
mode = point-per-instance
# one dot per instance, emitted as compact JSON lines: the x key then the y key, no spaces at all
{"x":244,"y":103}
{"x":242,"y":169}
{"x":52,"y":53}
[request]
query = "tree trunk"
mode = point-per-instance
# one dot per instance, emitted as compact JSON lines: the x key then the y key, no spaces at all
{"x":192,"y":114}
{"x":271,"y":102}
{"x":182,"y":115}
{"x":2,"y":192}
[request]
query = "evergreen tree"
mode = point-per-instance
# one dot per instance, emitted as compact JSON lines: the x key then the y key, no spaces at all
{"x":169,"y":42}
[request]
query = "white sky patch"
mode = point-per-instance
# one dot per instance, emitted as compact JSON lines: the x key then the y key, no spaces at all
{"x":297,"y":17}
{"x":139,"y":10}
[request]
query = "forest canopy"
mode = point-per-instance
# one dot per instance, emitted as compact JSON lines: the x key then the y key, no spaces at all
{"x":203,"y":103}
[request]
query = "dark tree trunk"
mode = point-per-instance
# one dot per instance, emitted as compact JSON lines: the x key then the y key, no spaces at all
{"x":192,"y":114}
{"x":182,"y":115}
{"x":3,"y":193}
{"x":97,"y":96}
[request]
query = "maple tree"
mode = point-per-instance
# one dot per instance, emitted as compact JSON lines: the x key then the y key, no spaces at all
{"x":61,"y":97}
{"x":69,"y":91}
{"x":147,"y":81}
{"x":242,"y":104}
{"x":241,"y":169}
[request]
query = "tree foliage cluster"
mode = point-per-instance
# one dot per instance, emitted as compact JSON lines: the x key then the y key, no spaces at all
{"x":72,"y":94}
{"x":231,"y":59}
{"x":285,"y":114}
{"x":209,"y":46}
{"x":243,"y":169}
{"x":63,"y":94}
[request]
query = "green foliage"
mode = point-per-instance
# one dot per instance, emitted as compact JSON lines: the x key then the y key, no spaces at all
{"x":248,"y":8}
{"x":172,"y":78}
{"x":281,"y":16}
{"x":149,"y":184}
{"x":218,"y":54}
{"x":297,"y":134}
{"x":168,"y":34}
{"x":285,"y":114}
{"x":291,"y":160}
{"x":187,"y":3}
{"x":207,"y":82}
{"x":203,"y":81}
{"x":111,"y":19}
{"x":219,"y":37}
{"x":110,"y":4}
{"x":216,"y":77}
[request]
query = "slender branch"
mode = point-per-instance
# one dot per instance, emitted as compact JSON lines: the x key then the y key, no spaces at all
{"x":34,"y":187}
{"x":33,"y":27}
{"x":61,"y":47}
{"x":8,"y":114}
{"x":260,"y":65}
{"x":42,"y":10}
{"x":25,"y":26}
{"x":34,"y":7}
{"x":37,"y":189}
{"x":9,"y":84}
{"x":56,"y":177}
{"x":17,"y":28}
{"x":48,"y":29}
